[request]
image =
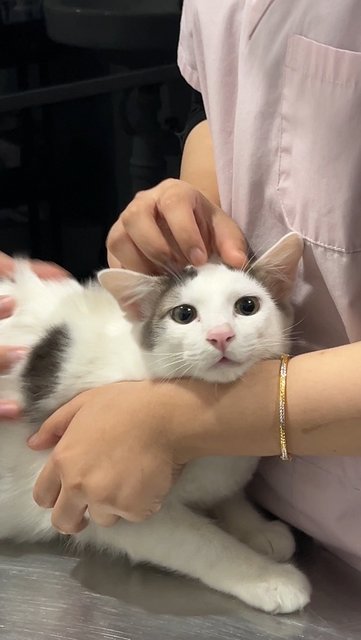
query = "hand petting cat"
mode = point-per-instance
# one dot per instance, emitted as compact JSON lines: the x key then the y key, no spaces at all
{"x":170,"y":226}
{"x":110,"y":472}
{"x":10,"y":355}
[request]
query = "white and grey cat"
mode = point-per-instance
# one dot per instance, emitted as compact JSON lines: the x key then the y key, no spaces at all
{"x":210,"y":323}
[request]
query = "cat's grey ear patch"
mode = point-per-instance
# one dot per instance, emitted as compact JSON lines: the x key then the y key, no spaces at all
{"x":41,"y":373}
{"x":189,"y":273}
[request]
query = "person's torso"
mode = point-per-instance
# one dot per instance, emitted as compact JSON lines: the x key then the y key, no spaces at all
{"x":281,"y":83}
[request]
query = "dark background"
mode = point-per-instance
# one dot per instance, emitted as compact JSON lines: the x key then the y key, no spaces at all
{"x":69,"y":166}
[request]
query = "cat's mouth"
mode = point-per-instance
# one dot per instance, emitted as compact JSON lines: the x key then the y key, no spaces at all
{"x":224,"y":361}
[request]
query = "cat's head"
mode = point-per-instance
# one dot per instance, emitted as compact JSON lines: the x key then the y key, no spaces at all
{"x":212,"y":322}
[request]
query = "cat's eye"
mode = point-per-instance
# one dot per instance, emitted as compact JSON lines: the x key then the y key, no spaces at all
{"x":247,"y":306}
{"x":184,"y":314}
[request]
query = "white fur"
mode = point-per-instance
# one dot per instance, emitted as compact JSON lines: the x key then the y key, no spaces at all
{"x":238,"y":555}
{"x":214,"y":293}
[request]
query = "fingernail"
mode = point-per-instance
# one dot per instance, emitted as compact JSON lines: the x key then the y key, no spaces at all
{"x":9,"y":410}
{"x":33,"y":439}
{"x":156,"y":508}
{"x":6,"y":306}
{"x":239,"y":259}
{"x":16,"y":354}
{"x":197,"y":256}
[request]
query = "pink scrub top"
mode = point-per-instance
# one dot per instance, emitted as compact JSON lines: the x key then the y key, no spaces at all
{"x":281,"y":83}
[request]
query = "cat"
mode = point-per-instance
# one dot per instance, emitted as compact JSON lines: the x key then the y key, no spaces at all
{"x":210,"y":323}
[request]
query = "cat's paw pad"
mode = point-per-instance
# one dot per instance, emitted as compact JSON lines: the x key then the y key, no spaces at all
{"x":283,"y":589}
{"x":274,"y":540}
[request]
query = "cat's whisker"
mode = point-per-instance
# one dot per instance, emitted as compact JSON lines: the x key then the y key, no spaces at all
{"x":169,"y":354}
{"x":168,"y":363}
{"x":178,"y":370}
{"x":168,"y":357}
{"x":295,"y":324}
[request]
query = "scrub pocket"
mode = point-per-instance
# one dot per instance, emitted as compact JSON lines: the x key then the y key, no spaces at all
{"x":319,"y":173}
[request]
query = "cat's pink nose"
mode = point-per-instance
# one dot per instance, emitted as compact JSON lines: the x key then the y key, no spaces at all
{"x":221,"y":336}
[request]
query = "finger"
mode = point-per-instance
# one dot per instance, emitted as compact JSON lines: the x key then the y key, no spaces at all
{"x":9,"y":410}
{"x":52,"y":430}
{"x":48,"y":270}
{"x":229,"y":240}
{"x":7,"y":306}
{"x":150,"y":241}
{"x":179,"y":216}
{"x":122,"y":250}
{"x":47,"y":486}
{"x":100,"y":516}
{"x":143,"y":496}
{"x":138,"y":515}
{"x":6,"y":265}
{"x":68,"y":515}
{"x":132,"y":258}
{"x":139,"y":221}
{"x":9,"y":356}
{"x":113,"y":262}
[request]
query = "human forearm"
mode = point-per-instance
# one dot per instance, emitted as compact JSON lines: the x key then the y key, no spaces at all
{"x":324,"y":402}
{"x":198,"y":166}
{"x":117,"y":474}
{"x":323,"y":409}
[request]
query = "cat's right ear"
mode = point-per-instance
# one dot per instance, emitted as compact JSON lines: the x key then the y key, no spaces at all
{"x":277,"y":268}
{"x":134,"y":292}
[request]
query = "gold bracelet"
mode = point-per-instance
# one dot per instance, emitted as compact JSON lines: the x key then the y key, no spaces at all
{"x":282,"y":406}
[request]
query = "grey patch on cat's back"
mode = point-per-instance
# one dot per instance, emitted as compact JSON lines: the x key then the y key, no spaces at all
{"x":152,"y":328}
{"x":41,"y":373}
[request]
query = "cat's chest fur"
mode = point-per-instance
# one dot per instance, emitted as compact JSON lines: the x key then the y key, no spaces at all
{"x":209,"y":480}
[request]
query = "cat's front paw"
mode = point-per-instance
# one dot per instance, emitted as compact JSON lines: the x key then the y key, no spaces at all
{"x":274,"y":540}
{"x":282,"y":589}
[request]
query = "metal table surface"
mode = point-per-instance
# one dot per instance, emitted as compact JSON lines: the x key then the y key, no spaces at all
{"x":49,"y":593}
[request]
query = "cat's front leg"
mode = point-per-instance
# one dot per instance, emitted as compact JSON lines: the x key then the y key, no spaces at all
{"x":183,"y":541}
{"x":241,"y":519}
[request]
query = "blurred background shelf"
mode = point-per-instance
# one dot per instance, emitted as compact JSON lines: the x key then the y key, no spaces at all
{"x":88,"y":117}
{"x":126,"y":25}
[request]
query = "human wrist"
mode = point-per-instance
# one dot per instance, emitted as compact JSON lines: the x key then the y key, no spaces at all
{"x":184,"y":416}
{"x":242,"y":419}
{"x":235,"y":419}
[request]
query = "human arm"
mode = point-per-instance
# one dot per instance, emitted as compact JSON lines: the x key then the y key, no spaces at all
{"x":198,"y":166}
{"x":323,"y":409}
{"x":163,"y":226}
{"x":114,"y":474}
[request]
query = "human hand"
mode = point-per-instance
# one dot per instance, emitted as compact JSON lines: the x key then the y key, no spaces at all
{"x":170,"y":226}
{"x":10,"y":355}
{"x":45,"y":270}
{"x":115,"y":456}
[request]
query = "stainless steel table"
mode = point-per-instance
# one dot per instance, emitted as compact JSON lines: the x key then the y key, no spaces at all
{"x":47,"y":593}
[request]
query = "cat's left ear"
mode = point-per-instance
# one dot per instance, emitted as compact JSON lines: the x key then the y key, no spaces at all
{"x":277,"y":268}
{"x":135,"y":293}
